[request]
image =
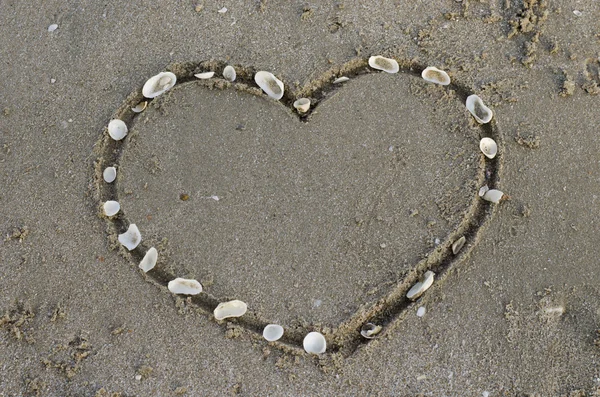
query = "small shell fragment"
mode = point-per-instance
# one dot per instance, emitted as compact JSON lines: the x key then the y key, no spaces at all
{"x":111,"y":208}
{"x":234,"y":308}
{"x":229,"y":73}
{"x":370,"y":330}
{"x":386,"y":64}
{"x":117,"y":129}
{"x":302,"y":105}
{"x":273,"y":332}
{"x":488,"y":147}
{"x":480,"y":112}
{"x":184,"y":286}
{"x":205,"y":75}
{"x":314,"y":343}
{"x":421,"y":311}
{"x":270,"y":84}
{"x":493,"y":195}
{"x":341,"y":80}
{"x":435,"y":75}
{"x":423,"y":285}
{"x":131,"y":238}
{"x":483,"y":190}
{"x":109,"y":174}
{"x":458,"y":244}
{"x":140,"y":107}
{"x":157,"y":85}
{"x":52,"y":27}
{"x":149,"y":260}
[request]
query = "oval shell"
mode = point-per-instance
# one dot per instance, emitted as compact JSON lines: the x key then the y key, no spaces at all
{"x":111,"y":208}
{"x":488,"y":147}
{"x":117,"y":129}
{"x":149,"y":260}
{"x":109,"y":174}
{"x":480,"y":112}
{"x":341,"y":80}
{"x":234,"y":308}
{"x":302,"y":105}
{"x":184,"y":286}
{"x":435,"y":75}
{"x":270,"y":84}
{"x":423,"y":285}
{"x":314,"y":343}
{"x":386,"y":64}
{"x":458,"y":244}
{"x":205,"y":75}
{"x":273,"y":332}
{"x":229,"y":73}
{"x":159,"y":84}
{"x":131,"y":238}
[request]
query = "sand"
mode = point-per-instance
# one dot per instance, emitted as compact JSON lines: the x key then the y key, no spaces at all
{"x":320,"y":223}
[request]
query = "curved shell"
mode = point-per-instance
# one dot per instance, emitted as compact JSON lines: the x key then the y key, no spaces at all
{"x":435,"y":75}
{"x":370,"y":330}
{"x":458,"y":244}
{"x":270,"y":84}
{"x":386,"y":64}
{"x":117,"y":129}
{"x":234,"y":308}
{"x":342,"y":79}
{"x":273,"y":332}
{"x":111,"y":208}
{"x":140,"y":107}
{"x":229,"y":73}
{"x":302,"y":105}
{"x":159,"y":84}
{"x":493,"y":195}
{"x":480,"y":112}
{"x":314,"y":343}
{"x":109,"y":174}
{"x":131,"y":238}
{"x":204,"y":75}
{"x":423,"y":285}
{"x":488,"y":147}
{"x":149,"y":260}
{"x":184,"y":286}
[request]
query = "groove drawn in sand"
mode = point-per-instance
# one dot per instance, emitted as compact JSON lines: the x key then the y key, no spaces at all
{"x":346,"y":338}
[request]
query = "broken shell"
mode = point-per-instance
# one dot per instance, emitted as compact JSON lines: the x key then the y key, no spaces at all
{"x":229,"y":73}
{"x":314,"y":343}
{"x":158,"y":84}
{"x":109,"y":174}
{"x":140,"y":107}
{"x":111,"y":208}
{"x":117,"y":129}
{"x":273,"y":332}
{"x":423,"y":285}
{"x":482,"y":113}
{"x":302,"y":105}
{"x":386,"y":64}
{"x":493,"y":195}
{"x":184,"y":286}
{"x":483,"y":190}
{"x":270,"y":84}
{"x":131,"y":238}
{"x":421,"y":311}
{"x":149,"y":260}
{"x":52,"y":27}
{"x":435,"y":75}
{"x":340,"y":80}
{"x":370,"y":330}
{"x":233,"y":308}
{"x":205,"y":75}
{"x":458,"y":244}
{"x":488,"y":147}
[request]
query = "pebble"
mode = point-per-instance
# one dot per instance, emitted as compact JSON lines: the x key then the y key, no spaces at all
{"x":421,"y":311}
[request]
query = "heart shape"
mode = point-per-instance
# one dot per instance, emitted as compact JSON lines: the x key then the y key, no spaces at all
{"x":271,"y":170}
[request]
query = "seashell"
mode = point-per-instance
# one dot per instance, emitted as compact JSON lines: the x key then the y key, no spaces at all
{"x":386,"y":64}
{"x":205,"y":75}
{"x":117,"y":129}
{"x":184,"y":286}
{"x":435,"y":75}
{"x":233,"y":308}
{"x":302,"y":105}
{"x":149,"y":260}
{"x":109,"y":174}
{"x":488,"y":147}
{"x":493,"y":195}
{"x":222,"y":10}
{"x":229,"y":73}
{"x":52,"y":27}
{"x":111,"y":208}
{"x":458,"y":244}
{"x":370,"y":330}
{"x":270,"y":84}
{"x":140,"y":107}
{"x":483,"y":190}
{"x":273,"y":332}
{"x":421,"y":311}
{"x":423,"y":285}
{"x":314,"y":343}
{"x":482,"y":113}
{"x":158,"y":84}
{"x":340,"y":80}
{"x":131,"y":238}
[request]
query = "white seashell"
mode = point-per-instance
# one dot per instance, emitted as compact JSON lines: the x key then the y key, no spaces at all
{"x":370,"y":330}
{"x":273,"y":332}
{"x":386,"y":64}
{"x":488,"y":147}
{"x":140,"y":107}
{"x":314,"y":343}
{"x":423,"y":285}
{"x":233,"y":308}
{"x":111,"y":208}
{"x":482,"y":113}
{"x":149,"y":260}
{"x":229,"y":73}
{"x":158,"y":84}
{"x":483,"y":190}
{"x":222,"y":10}
{"x":117,"y":129}
{"x":435,"y":75}
{"x":340,"y":80}
{"x":421,"y":311}
{"x":302,"y":105}
{"x":52,"y":27}
{"x":184,"y":286}
{"x":458,"y":244}
{"x":205,"y":75}
{"x":493,"y":195}
{"x":109,"y":174}
{"x":270,"y":84}
{"x":131,"y":238}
